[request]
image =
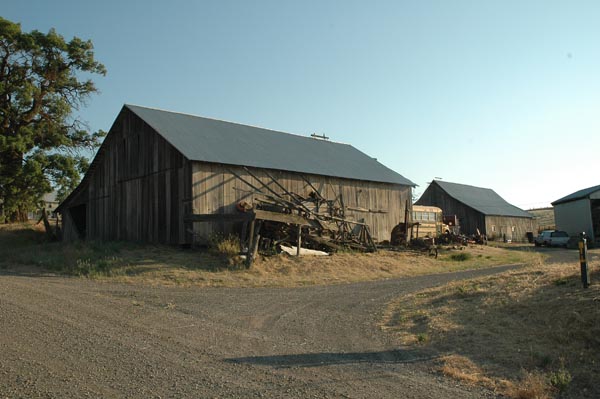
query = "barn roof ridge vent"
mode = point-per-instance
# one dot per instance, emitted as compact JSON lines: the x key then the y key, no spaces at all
{"x":319,"y":137}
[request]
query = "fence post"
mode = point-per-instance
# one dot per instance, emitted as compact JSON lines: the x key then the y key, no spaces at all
{"x":585,"y":271}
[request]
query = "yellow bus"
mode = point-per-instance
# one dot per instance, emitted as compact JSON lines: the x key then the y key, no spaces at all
{"x":428,"y":221}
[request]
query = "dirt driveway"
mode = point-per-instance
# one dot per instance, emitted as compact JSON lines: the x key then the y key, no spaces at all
{"x":563,"y":255}
{"x":71,"y":337}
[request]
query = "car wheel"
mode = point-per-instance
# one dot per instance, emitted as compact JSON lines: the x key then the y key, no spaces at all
{"x":537,"y":244}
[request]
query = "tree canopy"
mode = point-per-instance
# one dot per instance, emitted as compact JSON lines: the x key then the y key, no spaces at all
{"x":44,"y":80}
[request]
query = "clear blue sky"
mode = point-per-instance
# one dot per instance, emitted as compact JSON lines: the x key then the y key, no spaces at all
{"x":498,"y":94}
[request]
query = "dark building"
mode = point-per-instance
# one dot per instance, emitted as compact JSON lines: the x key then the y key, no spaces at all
{"x":479,"y":209}
{"x":156,"y":170}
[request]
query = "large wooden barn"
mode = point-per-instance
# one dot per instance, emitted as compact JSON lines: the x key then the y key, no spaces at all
{"x":479,"y":209}
{"x":158,"y":173}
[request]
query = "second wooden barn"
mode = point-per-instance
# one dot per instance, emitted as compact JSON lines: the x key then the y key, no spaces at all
{"x":479,"y":210}
{"x":159,"y":171}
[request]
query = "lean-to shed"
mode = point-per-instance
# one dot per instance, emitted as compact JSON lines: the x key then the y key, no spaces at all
{"x":479,"y":209}
{"x":156,"y":168}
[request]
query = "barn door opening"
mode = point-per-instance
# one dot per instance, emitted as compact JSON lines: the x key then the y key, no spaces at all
{"x":79,"y":217}
{"x":596,"y":218}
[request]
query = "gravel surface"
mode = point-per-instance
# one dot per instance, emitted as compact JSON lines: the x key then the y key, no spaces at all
{"x":73,"y":338}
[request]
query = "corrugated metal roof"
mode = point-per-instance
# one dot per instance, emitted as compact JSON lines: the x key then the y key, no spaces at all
{"x":577,"y":195}
{"x":484,"y":200}
{"x":211,"y":140}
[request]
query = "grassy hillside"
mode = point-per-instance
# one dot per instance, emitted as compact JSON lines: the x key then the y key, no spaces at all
{"x":544,"y":218}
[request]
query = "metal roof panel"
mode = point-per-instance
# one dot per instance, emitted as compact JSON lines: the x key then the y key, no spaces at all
{"x":212,"y":140}
{"x":577,"y":195}
{"x":483,"y":200}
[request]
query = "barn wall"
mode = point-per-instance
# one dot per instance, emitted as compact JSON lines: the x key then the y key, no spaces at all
{"x":575,"y":217}
{"x":137,"y":187}
{"x":470,"y":220}
{"x":515,"y":228}
{"x":216,"y":190}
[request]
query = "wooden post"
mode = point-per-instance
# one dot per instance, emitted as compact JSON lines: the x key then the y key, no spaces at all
{"x":585,"y":271}
{"x":243,"y":236}
{"x":253,"y":246}
{"x":251,"y":236}
{"x":299,"y":240}
{"x":49,"y":233}
{"x":406,"y":218}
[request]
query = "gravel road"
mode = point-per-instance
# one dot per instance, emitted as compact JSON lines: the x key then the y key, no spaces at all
{"x":72,"y":338}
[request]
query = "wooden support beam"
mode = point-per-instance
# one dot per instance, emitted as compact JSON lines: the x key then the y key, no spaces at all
{"x":219,"y":217}
{"x":299,"y":240}
{"x":282,"y":217}
{"x":262,"y":184}
{"x":292,"y":197}
{"x":253,"y":248}
{"x":251,"y":235}
{"x":243,"y":235}
{"x":249,"y":216}
{"x":313,"y":188}
{"x":245,"y":181}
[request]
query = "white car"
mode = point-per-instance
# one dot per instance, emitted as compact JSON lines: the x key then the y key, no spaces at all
{"x":552,"y":238}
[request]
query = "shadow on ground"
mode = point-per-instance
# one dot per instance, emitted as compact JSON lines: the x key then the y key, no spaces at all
{"x":328,"y":359}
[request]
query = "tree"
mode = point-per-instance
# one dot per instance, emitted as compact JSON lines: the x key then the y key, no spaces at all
{"x":44,"y":79}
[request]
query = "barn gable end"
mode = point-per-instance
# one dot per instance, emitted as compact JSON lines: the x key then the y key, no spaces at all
{"x":134,"y":189}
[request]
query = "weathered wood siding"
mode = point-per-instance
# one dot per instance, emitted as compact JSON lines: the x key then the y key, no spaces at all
{"x":515,"y":228}
{"x":470,"y":220}
{"x":216,"y":190}
{"x":138,"y":187}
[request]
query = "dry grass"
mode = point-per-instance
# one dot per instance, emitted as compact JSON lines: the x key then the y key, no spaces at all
{"x":531,"y":386}
{"x":201,"y":269}
{"x":532,"y":333}
{"x":23,"y":246}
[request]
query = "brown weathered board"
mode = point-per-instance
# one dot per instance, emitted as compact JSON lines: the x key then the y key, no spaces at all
{"x":215,"y":178}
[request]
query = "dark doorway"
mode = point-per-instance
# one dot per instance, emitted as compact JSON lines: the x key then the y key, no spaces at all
{"x":79,"y":216}
{"x":595,"y":205}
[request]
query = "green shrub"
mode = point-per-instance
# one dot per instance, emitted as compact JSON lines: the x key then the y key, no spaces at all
{"x":561,"y":378}
{"x":461,"y":257}
{"x":227,"y":246}
{"x":422,"y":338}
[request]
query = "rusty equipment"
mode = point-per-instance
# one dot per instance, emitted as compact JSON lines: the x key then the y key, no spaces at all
{"x":312,"y":221}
